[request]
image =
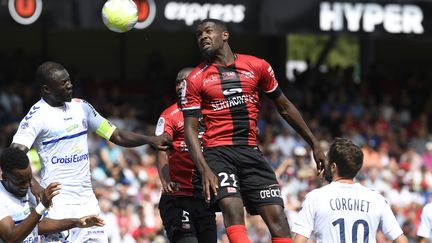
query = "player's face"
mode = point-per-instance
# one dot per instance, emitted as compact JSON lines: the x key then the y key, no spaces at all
{"x":61,"y":87}
{"x":210,"y":38}
{"x":18,"y":182}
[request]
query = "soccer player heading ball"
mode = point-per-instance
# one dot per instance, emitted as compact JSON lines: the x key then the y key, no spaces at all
{"x":224,"y":87}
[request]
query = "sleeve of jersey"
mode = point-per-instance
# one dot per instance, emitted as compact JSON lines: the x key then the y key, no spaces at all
{"x":191,"y":97}
{"x":164,"y":126}
{"x":390,"y":225}
{"x":97,"y":123}
{"x":425,"y":226}
{"x":268,"y":82}
{"x":303,"y":223}
{"x":27,"y":132}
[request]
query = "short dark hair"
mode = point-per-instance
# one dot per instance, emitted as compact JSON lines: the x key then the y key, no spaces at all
{"x":13,"y":158}
{"x":347,"y":156}
{"x":217,"y":22}
{"x":45,"y":71}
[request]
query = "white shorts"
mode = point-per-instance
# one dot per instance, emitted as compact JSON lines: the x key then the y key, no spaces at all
{"x":76,"y":235}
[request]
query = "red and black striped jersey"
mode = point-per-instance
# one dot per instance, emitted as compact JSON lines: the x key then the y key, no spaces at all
{"x":181,"y":167}
{"x":228,"y":98}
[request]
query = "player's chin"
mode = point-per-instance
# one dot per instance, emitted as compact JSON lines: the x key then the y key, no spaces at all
{"x":208,"y":53}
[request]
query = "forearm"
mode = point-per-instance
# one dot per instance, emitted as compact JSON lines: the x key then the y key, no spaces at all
{"x":193,"y":143}
{"x":292,"y":115}
{"x":50,"y":226}
{"x":128,"y":139}
{"x":17,"y":233}
{"x":163,"y":167}
{"x":419,"y":240}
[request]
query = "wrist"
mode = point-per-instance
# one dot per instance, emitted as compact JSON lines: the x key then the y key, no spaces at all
{"x":40,"y":209}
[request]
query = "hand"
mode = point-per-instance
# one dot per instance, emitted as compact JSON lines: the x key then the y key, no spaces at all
{"x":210,"y":184}
{"x":162,"y":142}
{"x":48,"y":193}
{"x":170,"y":188}
{"x":89,"y":221}
{"x":320,"y":159}
{"x":37,"y":190}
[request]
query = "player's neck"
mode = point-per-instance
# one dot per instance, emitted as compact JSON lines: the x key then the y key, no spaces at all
{"x":343,"y":180}
{"x":226,"y":57}
{"x":53,"y":103}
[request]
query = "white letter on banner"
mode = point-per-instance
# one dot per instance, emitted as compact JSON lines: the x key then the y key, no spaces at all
{"x":353,"y":14}
{"x":331,"y":19}
{"x":412,"y":16}
{"x":393,"y":18}
{"x":373,"y":15}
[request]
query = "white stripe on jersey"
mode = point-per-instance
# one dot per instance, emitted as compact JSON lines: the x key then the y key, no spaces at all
{"x":425,"y":228}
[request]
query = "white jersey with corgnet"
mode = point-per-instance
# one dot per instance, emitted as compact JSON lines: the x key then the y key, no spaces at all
{"x":59,"y":134}
{"x":425,"y":228}
{"x":18,"y":209}
{"x":341,"y":212}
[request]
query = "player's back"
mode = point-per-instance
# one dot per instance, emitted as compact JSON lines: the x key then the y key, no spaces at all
{"x":344,"y":212}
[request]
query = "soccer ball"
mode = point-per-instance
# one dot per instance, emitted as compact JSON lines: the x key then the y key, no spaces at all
{"x":120,"y":15}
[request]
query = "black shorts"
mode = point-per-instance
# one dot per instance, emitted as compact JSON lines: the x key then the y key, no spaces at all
{"x":187,"y":216}
{"x":243,"y":172}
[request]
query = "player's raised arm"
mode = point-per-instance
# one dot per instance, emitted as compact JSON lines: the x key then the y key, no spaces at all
{"x":131,"y":139}
{"x":291,"y":114}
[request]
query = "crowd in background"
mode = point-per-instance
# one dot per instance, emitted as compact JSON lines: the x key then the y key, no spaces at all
{"x":387,"y":113}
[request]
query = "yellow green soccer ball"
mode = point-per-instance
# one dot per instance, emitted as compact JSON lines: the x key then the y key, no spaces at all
{"x":120,"y":15}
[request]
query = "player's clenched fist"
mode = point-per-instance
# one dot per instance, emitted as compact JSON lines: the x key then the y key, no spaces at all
{"x":49,"y":192}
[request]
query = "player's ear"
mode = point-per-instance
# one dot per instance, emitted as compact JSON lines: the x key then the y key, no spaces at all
{"x":225,"y":35}
{"x":45,"y":89}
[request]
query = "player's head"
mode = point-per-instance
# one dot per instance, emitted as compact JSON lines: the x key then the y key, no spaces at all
{"x":181,"y":77}
{"x":16,"y":170}
{"x":211,"y":35}
{"x":345,"y":158}
{"x":55,"y":82}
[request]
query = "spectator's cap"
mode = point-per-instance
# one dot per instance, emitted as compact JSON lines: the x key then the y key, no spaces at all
{"x":299,"y":151}
{"x":429,"y":146}
{"x":109,"y":182}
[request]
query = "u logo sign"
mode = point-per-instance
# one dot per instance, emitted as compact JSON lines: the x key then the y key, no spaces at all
{"x":25,"y":11}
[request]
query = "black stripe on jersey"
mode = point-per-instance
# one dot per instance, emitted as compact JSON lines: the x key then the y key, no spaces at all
{"x":231,"y":88}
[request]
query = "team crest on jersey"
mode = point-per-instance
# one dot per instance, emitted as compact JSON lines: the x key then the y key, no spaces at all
{"x":228,"y":75}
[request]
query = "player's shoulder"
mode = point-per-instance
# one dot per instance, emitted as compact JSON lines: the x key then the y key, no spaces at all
{"x":428,"y":207}
{"x":171,"y":110}
{"x":198,"y":71}
{"x":36,"y":111}
{"x":256,"y":61}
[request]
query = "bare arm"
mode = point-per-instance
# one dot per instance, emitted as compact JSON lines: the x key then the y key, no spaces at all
{"x":131,"y":139}
{"x":291,"y":115}
{"x":419,"y":240}
{"x":9,"y":232}
{"x":162,"y":165}
{"x":209,"y":180}
{"x":50,"y":226}
{"x":403,"y":239}
{"x":300,"y":239}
